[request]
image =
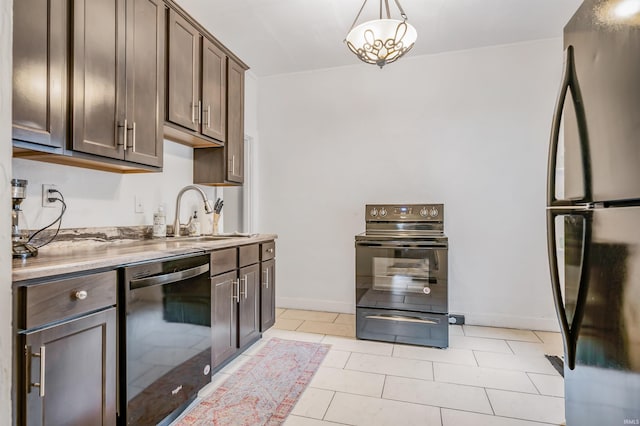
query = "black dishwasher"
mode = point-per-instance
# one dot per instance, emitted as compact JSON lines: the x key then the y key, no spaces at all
{"x":165,"y":339}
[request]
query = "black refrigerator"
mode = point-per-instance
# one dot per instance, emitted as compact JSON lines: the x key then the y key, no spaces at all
{"x":593,"y":225}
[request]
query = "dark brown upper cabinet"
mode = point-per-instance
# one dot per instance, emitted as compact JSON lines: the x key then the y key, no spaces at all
{"x":235,"y":135}
{"x":40,"y":73}
{"x":225,"y":166}
{"x":196,"y":93}
{"x":111,"y":53}
{"x":118,"y":54}
{"x":214,"y":91}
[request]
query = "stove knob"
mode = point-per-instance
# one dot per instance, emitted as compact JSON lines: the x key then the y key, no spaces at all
{"x":373,"y":212}
{"x":383,"y":212}
{"x":424,"y":212}
{"x":433,"y":212}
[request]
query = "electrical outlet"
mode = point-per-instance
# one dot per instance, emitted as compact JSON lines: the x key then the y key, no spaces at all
{"x":139,"y":205}
{"x":45,"y":195}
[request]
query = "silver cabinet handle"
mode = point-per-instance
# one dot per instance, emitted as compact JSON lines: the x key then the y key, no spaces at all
{"x":124,"y":134}
{"x":266,"y":280}
{"x":270,"y":250}
{"x":133,"y":142}
{"x":193,"y":111}
{"x":246,"y":293}
{"x":243,"y":292}
{"x":236,"y":291}
{"x":233,"y":164}
{"x":42,"y":356}
{"x":199,"y":115}
{"x":80,"y":295}
{"x":208,"y":116}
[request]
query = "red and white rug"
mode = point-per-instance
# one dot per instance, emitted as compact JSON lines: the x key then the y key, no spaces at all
{"x":264,"y":390}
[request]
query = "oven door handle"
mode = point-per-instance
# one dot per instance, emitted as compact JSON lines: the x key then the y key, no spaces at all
{"x":401,"y":244}
{"x":169,"y":278}
{"x":388,"y":317}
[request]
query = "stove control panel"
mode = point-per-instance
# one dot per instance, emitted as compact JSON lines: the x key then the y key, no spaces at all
{"x":405,"y":212}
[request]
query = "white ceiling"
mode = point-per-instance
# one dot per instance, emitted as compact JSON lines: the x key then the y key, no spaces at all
{"x":283,"y":36}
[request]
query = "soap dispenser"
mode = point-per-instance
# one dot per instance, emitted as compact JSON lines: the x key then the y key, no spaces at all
{"x":194,"y":225}
{"x":159,"y":223}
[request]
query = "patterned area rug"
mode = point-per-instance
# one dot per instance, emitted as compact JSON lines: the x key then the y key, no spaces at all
{"x":264,"y":390}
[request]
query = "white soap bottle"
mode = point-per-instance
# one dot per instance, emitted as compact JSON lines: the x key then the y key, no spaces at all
{"x":159,"y":223}
{"x":194,"y":225}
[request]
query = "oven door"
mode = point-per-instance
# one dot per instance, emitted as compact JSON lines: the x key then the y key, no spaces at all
{"x":402,"y":275}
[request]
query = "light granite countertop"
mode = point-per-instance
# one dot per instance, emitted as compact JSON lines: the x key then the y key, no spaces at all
{"x":81,"y":256}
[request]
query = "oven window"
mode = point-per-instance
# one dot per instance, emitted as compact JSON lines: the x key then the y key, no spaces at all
{"x":403,"y":278}
{"x":405,"y":275}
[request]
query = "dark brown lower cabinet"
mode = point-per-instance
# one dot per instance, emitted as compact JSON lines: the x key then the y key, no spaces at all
{"x":249,"y":305}
{"x":224,"y":324}
{"x":268,"y":295}
{"x":235,"y":316}
{"x":70,"y":372}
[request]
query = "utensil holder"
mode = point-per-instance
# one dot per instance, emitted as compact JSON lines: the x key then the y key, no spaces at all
{"x":216,"y":219}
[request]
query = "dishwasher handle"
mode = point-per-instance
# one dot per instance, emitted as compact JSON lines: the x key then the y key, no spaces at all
{"x":168,"y":278}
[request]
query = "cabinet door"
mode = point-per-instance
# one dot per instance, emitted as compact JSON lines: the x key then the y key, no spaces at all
{"x":99,"y":77}
{"x":234,"y":147}
{"x":268,"y":294}
{"x":184,"y":72}
{"x":249,"y":306}
{"x":76,"y":368}
{"x":145,"y":81}
{"x":214,"y":91}
{"x":39,"y":71}
{"x":224,"y":324}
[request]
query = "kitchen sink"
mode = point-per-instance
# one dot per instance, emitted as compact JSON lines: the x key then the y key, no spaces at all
{"x":202,"y":238}
{"x":205,"y":238}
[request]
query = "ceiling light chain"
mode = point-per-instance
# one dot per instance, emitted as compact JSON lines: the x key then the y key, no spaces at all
{"x":381,"y":41}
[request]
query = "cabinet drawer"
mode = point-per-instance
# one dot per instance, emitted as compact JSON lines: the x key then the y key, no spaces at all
{"x":267,"y":251}
{"x":249,"y":254}
{"x":223,"y":261}
{"x":57,"y":300}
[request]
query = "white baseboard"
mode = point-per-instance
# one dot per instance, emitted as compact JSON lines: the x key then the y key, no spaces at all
{"x":488,"y":320}
{"x":511,"y":321}
{"x":315,"y":305}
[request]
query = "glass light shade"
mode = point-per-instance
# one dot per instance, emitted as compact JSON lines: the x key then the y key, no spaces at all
{"x":381,"y":41}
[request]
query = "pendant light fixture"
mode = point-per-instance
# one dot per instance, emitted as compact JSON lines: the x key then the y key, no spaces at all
{"x":381,"y":41}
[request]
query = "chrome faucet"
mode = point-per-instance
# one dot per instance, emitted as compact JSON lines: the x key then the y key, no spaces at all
{"x":207,"y":206}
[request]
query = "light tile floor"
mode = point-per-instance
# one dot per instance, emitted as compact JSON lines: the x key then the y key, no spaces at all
{"x":487,"y":377}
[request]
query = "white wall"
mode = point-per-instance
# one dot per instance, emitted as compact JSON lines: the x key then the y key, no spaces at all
{"x":468,"y":129}
{"x":5,"y":211}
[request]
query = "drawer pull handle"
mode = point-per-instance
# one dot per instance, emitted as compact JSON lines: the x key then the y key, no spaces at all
{"x":266,"y":280}
{"x":270,"y":250}
{"x":401,"y":319}
{"x":80,"y":295}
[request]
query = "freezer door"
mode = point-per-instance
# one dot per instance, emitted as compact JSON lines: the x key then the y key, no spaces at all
{"x":606,"y":50}
{"x":602,"y":293}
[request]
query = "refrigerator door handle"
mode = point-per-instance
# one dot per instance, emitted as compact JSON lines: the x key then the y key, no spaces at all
{"x":569,"y":82}
{"x":570,"y":332}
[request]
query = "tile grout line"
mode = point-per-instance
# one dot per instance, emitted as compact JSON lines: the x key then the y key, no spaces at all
{"x":489,"y":399}
{"x":534,"y":383}
{"x":329,"y":405}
